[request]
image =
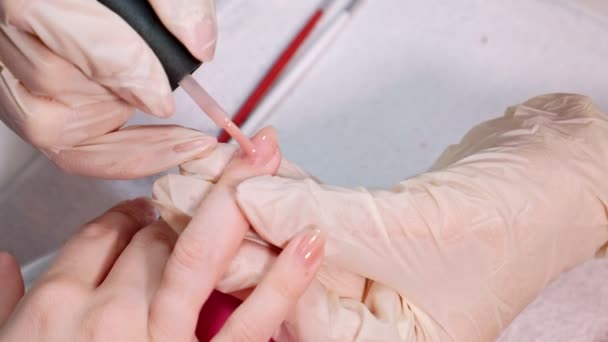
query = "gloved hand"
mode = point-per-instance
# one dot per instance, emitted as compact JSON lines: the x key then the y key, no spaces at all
{"x":452,"y":254}
{"x":71,"y":73}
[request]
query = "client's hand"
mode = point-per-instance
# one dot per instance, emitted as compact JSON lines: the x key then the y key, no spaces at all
{"x":129,"y":277}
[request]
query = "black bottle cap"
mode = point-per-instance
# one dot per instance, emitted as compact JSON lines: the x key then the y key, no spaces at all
{"x":173,"y":55}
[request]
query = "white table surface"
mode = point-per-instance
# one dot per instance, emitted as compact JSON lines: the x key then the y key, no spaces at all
{"x":403,"y":81}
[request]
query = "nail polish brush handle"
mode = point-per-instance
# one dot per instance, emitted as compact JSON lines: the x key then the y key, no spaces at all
{"x":173,"y":55}
{"x":176,"y":60}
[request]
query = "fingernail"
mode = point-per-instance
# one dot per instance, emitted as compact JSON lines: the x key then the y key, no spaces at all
{"x":201,"y":143}
{"x":310,"y":248}
{"x":265,"y":147}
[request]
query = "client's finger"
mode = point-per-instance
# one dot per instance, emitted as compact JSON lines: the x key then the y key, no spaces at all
{"x":205,"y":248}
{"x":140,"y":266}
{"x":11,"y":283}
{"x":89,"y":255}
{"x":268,"y":305}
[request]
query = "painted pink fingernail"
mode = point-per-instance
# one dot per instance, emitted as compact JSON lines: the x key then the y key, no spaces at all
{"x":310,"y":248}
{"x":265,"y":148}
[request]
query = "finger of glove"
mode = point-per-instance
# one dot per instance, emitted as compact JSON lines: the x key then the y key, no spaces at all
{"x":363,"y":230}
{"x":177,"y":197}
{"x":46,"y":74}
{"x":52,"y":125}
{"x":211,"y":167}
{"x":370,"y":235}
{"x":134,"y":152}
{"x":105,"y":55}
{"x":253,"y":261}
{"x":193,"y":22}
{"x":322,"y":315}
{"x":248,"y":267}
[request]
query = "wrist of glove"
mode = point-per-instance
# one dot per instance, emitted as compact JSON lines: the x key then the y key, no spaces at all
{"x":454,"y":253}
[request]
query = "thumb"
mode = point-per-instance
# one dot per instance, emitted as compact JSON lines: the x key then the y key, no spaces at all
{"x":12,"y":286}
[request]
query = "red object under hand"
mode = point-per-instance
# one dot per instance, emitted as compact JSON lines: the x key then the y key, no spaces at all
{"x":214,"y":314}
{"x":273,"y":74}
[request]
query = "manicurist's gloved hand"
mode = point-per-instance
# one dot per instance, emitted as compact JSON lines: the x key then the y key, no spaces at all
{"x":453,"y":254}
{"x":128,"y":277}
{"x":72,"y":72}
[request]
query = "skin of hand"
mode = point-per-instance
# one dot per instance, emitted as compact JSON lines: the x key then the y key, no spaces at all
{"x":68,"y":85}
{"x":452,"y":254}
{"x":128,"y":277}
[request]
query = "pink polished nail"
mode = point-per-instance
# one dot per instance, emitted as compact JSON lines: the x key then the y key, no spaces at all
{"x":265,"y":147}
{"x":310,"y":248}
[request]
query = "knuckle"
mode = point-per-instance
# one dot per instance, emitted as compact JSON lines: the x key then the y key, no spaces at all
{"x":282,"y":291}
{"x":188,"y":255}
{"x":57,"y":286}
{"x":43,"y":301}
{"x":153,"y":237}
{"x":106,"y":322}
{"x":96,"y":230}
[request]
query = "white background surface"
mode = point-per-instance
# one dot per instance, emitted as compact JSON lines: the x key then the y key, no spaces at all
{"x":403,"y":81}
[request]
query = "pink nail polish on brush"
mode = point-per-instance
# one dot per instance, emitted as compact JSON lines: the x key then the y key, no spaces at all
{"x":216,"y":113}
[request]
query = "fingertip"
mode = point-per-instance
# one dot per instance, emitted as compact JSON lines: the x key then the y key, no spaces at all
{"x":267,"y":154}
{"x":193,"y":22}
{"x":156,"y":100}
{"x":264,"y":161}
{"x":8,"y":263}
{"x":163,"y":106}
{"x":201,"y":39}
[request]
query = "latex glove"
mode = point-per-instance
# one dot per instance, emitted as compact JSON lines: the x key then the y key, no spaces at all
{"x":457,"y":252}
{"x":454,"y":253}
{"x":124,"y":277}
{"x":71,"y":73}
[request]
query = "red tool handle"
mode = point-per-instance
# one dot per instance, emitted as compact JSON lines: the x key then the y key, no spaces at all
{"x":273,"y":74}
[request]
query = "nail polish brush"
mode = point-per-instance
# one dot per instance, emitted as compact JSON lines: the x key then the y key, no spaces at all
{"x":177,"y":62}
